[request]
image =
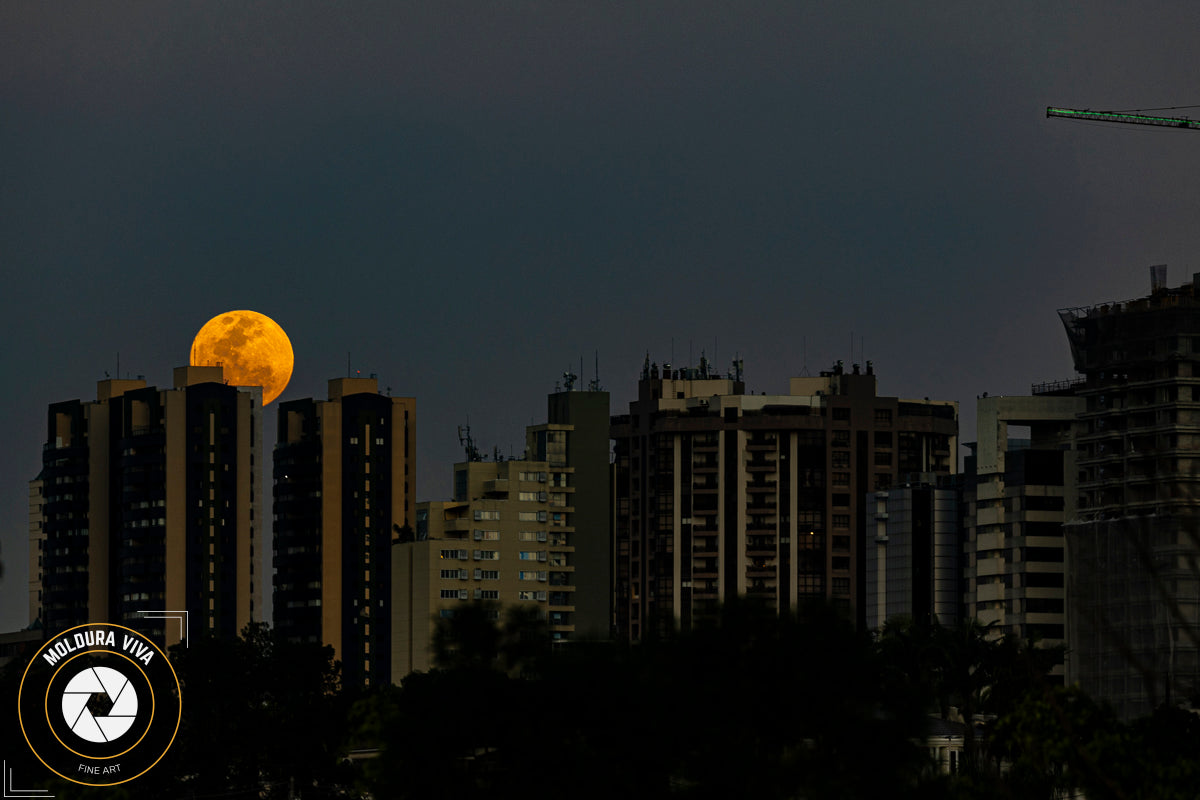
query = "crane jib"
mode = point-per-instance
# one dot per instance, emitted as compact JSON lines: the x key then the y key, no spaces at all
{"x":1118,"y":116}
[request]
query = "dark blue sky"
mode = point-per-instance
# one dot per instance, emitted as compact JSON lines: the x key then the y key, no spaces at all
{"x":468,"y":197}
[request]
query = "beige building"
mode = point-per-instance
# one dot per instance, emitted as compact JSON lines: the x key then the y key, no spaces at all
{"x":1020,"y":490}
{"x":497,"y":541}
{"x":532,"y":533}
{"x":149,"y":502}
{"x":345,"y":489}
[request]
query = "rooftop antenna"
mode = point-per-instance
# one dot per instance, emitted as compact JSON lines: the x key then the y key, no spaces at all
{"x":804,"y":356}
{"x":594,"y":384}
{"x":646,"y":367}
{"x":464,"y":439}
{"x":348,"y":375}
{"x":569,"y":379}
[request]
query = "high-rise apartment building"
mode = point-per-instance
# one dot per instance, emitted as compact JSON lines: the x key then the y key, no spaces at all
{"x":721,"y":494}
{"x":532,"y":533}
{"x":915,"y":557}
{"x":148,"y":501}
{"x":1133,"y":585}
{"x":1019,"y":489}
{"x":345,"y":487}
{"x":574,"y":443}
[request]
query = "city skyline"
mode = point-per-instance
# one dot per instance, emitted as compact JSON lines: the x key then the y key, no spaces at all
{"x":394,"y":184}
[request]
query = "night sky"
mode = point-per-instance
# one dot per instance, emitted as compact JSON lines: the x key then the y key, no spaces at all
{"x":468,"y":198}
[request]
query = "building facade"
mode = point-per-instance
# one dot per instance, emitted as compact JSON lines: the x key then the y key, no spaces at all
{"x":345,"y":489}
{"x":148,"y":501}
{"x":721,"y":494}
{"x":1019,"y":490}
{"x":914,"y":560}
{"x":1134,"y":543}
{"x":532,"y":533}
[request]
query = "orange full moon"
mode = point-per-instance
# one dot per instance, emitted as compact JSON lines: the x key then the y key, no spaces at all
{"x":251,"y":347}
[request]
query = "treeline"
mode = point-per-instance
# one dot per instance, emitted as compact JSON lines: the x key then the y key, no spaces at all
{"x":752,"y":705}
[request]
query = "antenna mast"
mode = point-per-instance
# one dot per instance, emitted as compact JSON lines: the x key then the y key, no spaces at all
{"x":464,"y":439}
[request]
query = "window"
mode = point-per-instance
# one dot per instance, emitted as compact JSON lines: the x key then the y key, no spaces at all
{"x":487,"y":536}
{"x":558,"y":499}
{"x":841,"y":438}
{"x":1044,"y":580}
{"x":529,"y":497}
{"x":883,"y":416}
{"x":487,"y":574}
{"x":841,"y":479}
{"x":487,"y":555}
{"x":527,"y":595}
{"x":529,"y":536}
{"x":532,"y":555}
{"x":531,"y":516}
{"x":841,"y":414}
{"x":453,"y":594}
{"x":459,"y":554}
{"x":531,"y":575}
{"x":841,"y":500}
{"x":1051,"y":554}
{"x":481,"y":514}
{"x":883,"y":459}
{"x":841,"y":459}
{"x":450,"y":574}
{"x":841,"y":520}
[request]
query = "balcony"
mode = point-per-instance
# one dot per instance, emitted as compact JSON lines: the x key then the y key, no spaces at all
{"x":760,"y":570}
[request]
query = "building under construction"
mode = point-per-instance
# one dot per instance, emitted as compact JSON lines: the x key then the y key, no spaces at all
{"x":1133,"y":581}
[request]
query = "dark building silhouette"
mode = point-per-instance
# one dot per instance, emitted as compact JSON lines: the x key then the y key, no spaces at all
{"x":722,"y":494}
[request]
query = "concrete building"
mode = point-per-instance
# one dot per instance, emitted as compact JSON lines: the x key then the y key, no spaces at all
{"x":345,"y":487}
{"x":1134,"y":544}
{"x":574,"y":443}
{"x":532,"y":532}
{"x":914,"y":563}
{"x":722,"y":494}
{"x":148,"y":500}
{"x":1018,"y":491}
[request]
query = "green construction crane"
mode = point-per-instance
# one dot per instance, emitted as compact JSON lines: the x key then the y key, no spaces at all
{"x":1122,"y":116}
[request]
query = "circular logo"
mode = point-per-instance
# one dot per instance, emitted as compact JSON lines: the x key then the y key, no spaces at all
{"x":99,"y":704}
{"x":79,"y":701}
